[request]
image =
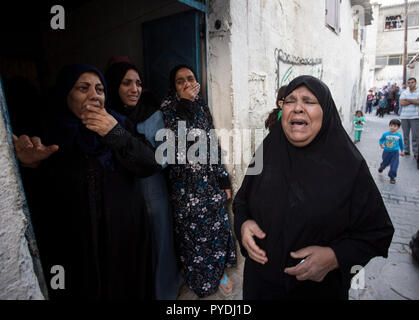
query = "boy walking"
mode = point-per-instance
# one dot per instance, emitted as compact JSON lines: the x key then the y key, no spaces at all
{"x":391,"y":142}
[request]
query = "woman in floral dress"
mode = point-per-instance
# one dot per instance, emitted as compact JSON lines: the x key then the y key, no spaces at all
{"x":199,"y":189}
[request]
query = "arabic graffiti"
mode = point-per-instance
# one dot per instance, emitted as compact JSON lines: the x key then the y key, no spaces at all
{"x":289,"y":67}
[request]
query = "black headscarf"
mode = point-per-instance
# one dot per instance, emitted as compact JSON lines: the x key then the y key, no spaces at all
{"x":146,"y":105}
{"x":65,"y":129}
{"x":321,"y":194}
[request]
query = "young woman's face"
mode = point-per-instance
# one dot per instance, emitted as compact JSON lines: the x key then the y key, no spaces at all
{"x":184,"y":79}
{"x":302,"y":117}
{"x":130,"y":88}
{"x":88,"y":90}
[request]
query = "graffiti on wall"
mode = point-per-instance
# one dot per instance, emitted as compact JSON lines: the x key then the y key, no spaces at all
{"x":289,"y":67}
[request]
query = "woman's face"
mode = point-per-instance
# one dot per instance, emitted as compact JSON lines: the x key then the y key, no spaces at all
{"x":130,"y":88}
{"x":302,"y":117}
{"x":184,"y":79}
{"x":88,"y":90}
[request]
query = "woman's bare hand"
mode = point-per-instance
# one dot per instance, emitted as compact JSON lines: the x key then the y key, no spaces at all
{"x":190,"y":92}
{"x":98,"y":120}
{"x":318,"y":262}
{"x":250,"y":229}
{"x":30,"y":151}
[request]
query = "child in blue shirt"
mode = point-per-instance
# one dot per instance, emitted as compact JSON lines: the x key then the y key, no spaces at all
{"x":392,"y":142}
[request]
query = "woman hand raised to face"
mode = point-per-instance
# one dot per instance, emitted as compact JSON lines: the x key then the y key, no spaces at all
{"x":86,"y":100}
{"x":186,"y":85}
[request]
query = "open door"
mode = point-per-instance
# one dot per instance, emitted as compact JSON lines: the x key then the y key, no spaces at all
{"x":170,"y":41}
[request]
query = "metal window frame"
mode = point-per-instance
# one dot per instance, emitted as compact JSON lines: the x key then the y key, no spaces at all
{"x":201,"y":6}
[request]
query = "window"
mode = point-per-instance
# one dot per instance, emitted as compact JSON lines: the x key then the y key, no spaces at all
{"x":394,"y":22}
{"x":413,"y":20}
{"x":381,"y":61}
{"x":333,"y":15}
{"x":394,"y":60}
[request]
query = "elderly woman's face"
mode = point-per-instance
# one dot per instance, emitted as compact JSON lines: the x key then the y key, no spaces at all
{"x":302,"y":117}
{"x":88,"y":90}
{"x":130,"y":88}
{"x":184,"y":79}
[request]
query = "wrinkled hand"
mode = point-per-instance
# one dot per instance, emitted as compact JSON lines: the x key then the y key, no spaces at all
{"x":249,"y":229}
{"x":402,"y":153}
{"x":190,"y":92}
{"x":382,"y":146}
{"x":98,"y":120}
{"x":228,"y":191}
{"x":31,"y":151}
{"x":319,"y":261}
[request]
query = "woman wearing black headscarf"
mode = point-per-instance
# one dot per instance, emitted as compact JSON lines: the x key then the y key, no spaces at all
{"x":126,"y":96}
{"x":198,"y":189}
{"x":315,"y":211}
{"x":89,"y":217}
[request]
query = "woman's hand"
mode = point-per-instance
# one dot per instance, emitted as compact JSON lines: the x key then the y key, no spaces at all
{"x":318,"y":262}
{"x":190,"y":92}
{"x":31,"y":151}
{"x":249,"y":229}
{"x":98,"y":120}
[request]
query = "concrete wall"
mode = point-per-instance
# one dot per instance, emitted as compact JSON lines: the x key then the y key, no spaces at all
{"x":17,"y":276}
{"x":264,"y":44}
{"x":391,"y":42}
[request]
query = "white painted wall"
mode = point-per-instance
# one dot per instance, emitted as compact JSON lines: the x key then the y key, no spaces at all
{"x":243,"y":64}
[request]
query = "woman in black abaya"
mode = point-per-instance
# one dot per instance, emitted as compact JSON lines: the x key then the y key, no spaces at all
{"x":314,"y":212}
{"x":87,"y":212}
{"x":126,"y":97}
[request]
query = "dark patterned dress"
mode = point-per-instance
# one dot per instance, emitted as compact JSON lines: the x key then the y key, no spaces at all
{"x":202,"y":228}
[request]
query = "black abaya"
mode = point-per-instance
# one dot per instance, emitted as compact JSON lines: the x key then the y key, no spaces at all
{"x":322,"y":194}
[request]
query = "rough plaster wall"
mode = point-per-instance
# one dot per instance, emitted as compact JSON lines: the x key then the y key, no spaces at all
{"x":298,"y":29}
{"x":371,"y":46}
{"x":243,"y":65}
{"x":17,"y":277}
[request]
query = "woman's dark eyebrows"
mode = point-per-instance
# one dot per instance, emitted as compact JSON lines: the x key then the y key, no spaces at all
{"x":309,"y":98}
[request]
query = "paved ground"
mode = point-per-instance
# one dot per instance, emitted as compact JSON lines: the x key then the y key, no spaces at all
{"x":394,"y":278}
{"x":397,"y":277}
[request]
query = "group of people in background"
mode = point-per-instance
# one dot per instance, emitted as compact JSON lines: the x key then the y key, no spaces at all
{"x":386,"y":100}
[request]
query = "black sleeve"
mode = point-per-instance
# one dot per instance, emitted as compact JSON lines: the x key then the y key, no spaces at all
{"x":134,"y":153}
{"x":224,"y":182}
{"x":370,"y":229}
{"x":241,"y":211}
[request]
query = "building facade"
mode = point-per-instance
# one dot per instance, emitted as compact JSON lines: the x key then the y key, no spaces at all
{"x":386,"y":42}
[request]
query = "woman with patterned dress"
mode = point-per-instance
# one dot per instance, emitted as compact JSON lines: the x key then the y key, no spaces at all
{"x":198,"y":189}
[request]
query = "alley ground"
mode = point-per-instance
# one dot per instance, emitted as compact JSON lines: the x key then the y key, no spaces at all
{"x":394,"y":278}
